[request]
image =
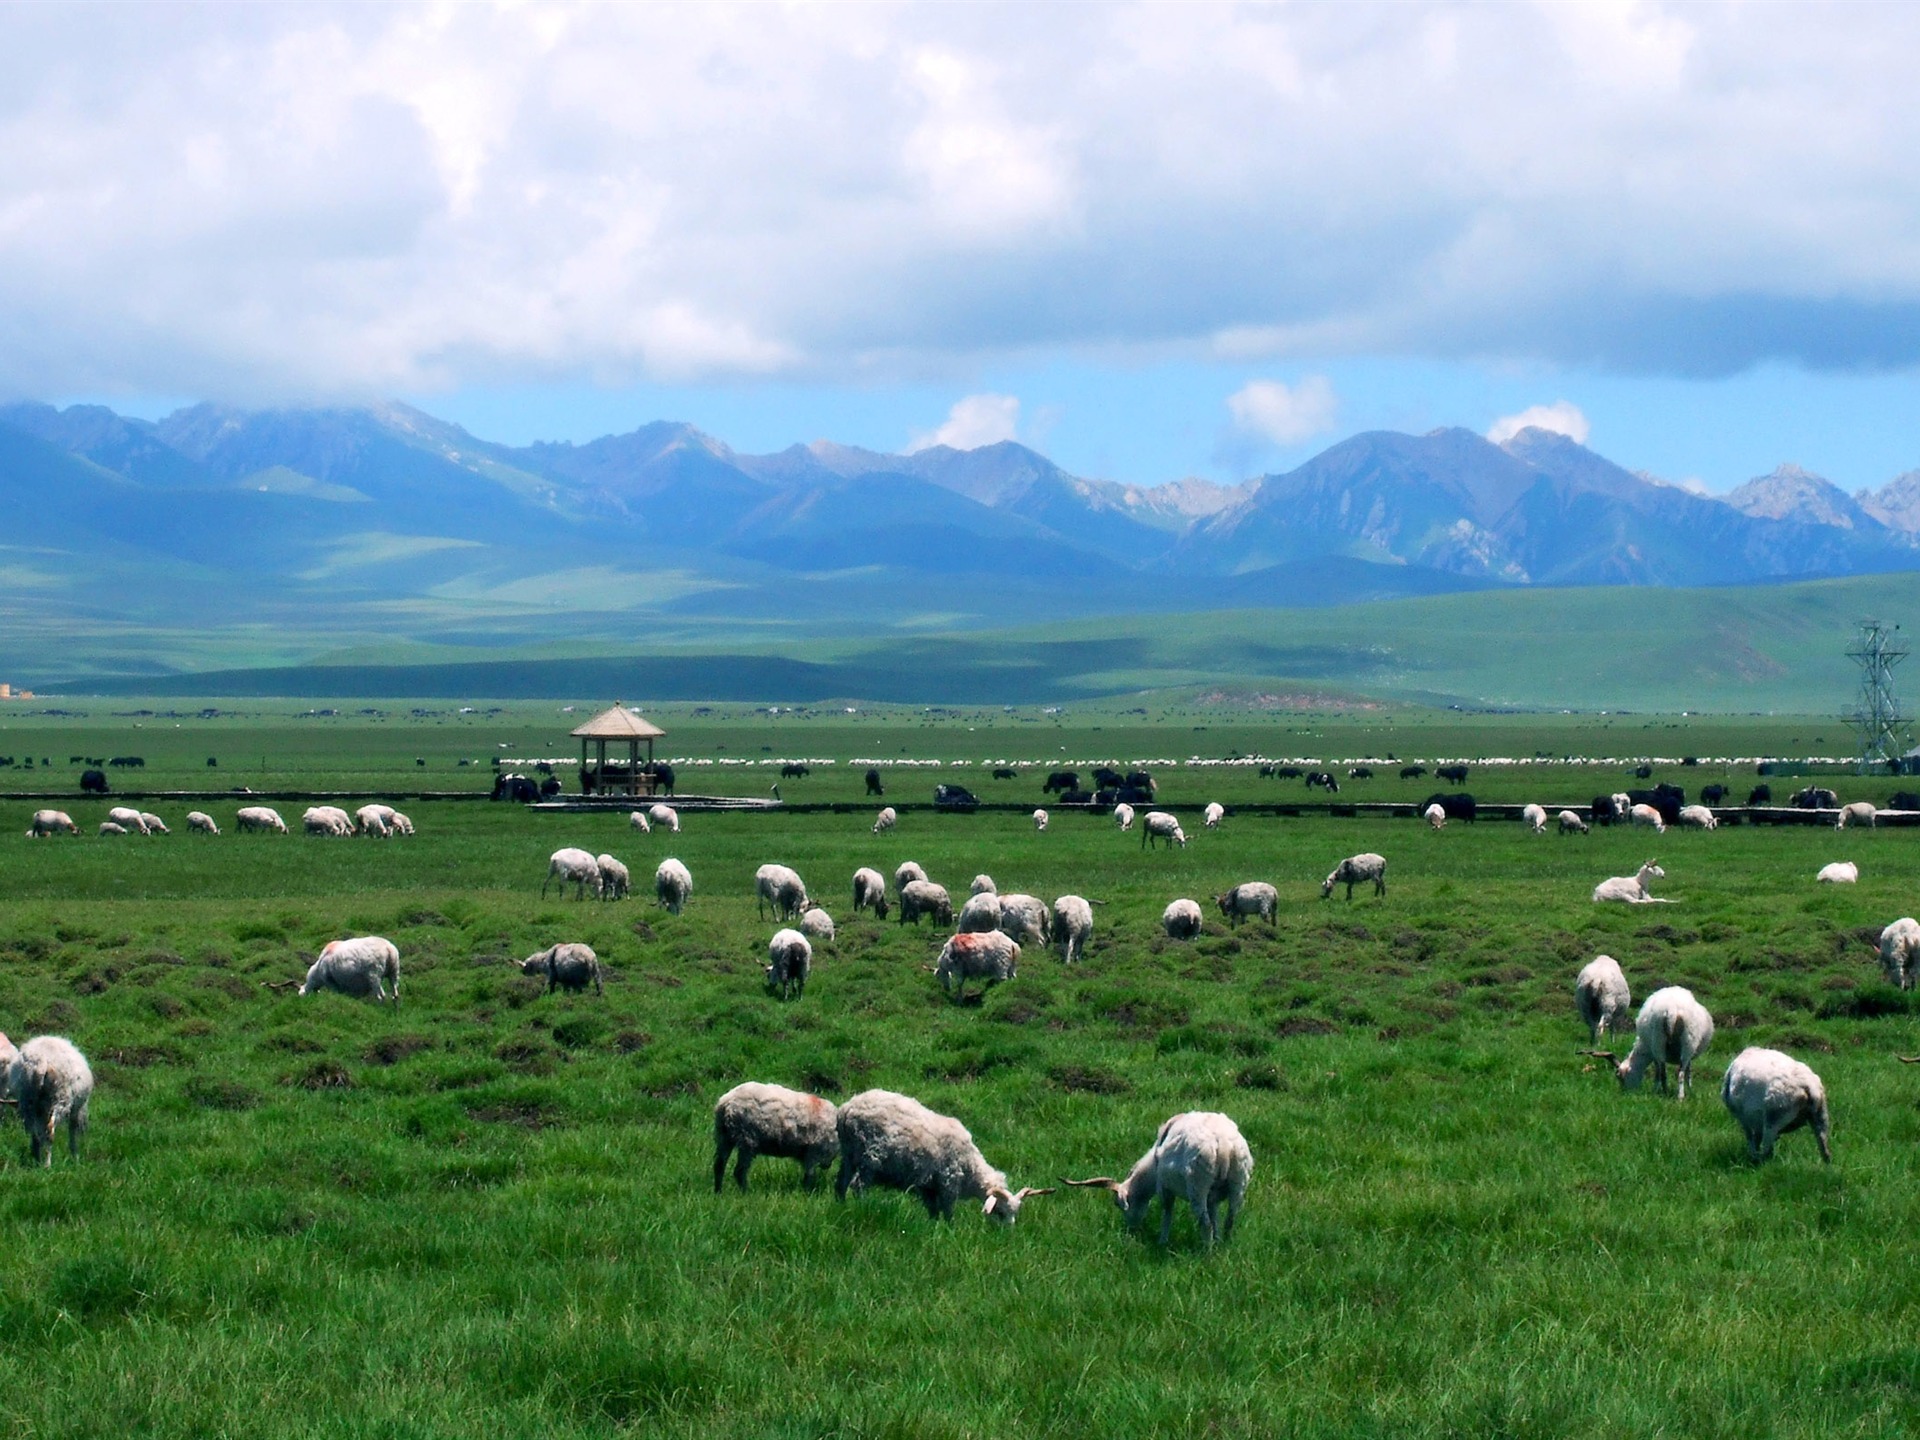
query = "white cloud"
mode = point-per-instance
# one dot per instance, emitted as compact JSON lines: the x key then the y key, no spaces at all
{"x":974,"y":421}
{"x":1285,"y":414}
{"x":1562,"y":417}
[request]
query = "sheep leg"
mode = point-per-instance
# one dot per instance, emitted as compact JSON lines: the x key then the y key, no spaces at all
{"x":741,"y":1166}
{"x":1166,"y":1217}
{"x":1686,"y":1074}
{"x":544,"y":883}
{"x":1233,"y":1212}
{"x":1204,"y":1216}
{"x":722,"y":1148}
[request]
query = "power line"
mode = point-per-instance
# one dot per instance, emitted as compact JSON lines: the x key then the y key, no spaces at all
{"x":1876,"y":717}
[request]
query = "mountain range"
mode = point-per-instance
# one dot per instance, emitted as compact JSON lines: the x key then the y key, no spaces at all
{"x":384,"y":521}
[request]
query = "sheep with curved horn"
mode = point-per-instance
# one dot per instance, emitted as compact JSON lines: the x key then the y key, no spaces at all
{"x":1200,"y":1155}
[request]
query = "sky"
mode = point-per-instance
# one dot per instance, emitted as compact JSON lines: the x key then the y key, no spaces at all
{"x":1149,"y":241}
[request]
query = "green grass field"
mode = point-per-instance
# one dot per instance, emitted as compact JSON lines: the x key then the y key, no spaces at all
{"x":489,"y":1209}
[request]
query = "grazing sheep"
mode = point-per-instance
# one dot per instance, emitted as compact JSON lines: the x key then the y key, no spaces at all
{"x":568,"y":966}
{"x":991,"y":958}
{"x":1673,"y":1029}
{"x":1698,"y":817}
{"x":1357,"y":870}
{"x":1647,"y":815}
{"x":50,"y":1081}
{"x":1631,"y":889}
{"x":980,"y":914}
{"x":201,"y":822}
{"x":573,"y":867}
{"x":906,"y":875}
{"x":983,"y":885}
{"x":1181,"y":919}
{"x":923,"y":897}
{"x":259,"y":817}
{"x":128,"y":820}
{"x":1435,"y":815}
{"x":1536,"y":818}
{"x":1123,"y":817}
{"x":886,"y":820}
{"x":1769,"y":1093}
{"x":1072,"y":924}
{"x":1215,"y":813}
{"x":789,"y":960}
{"x":1860,"y":812}
{"x":51,"y":822}
{"x":400,"y":824}
{"x":1840,"y":872}
{"x":781,"y":888}
{"x":869,"y":892}
{"x":1900,"y":952}
{"x":1250,"y":897}
{"x":107,"y":827}
{"x":665,"y":815}
{"x":326,"y":820}
{"x":1040,"y":821}
{"x":1161,"y":826}
{"x":372,"y":820}
{"x":1601,"y":996}
{"x":1571,"y":823}
{"x":155,"y":825}
{"x":615,"y":880}
{"x":756,"y":1119}
{"x":817,"y":925}
{"x":638,"y":820}
{"x":894,"y":1141}
{"x":1026,"y":919}
{"x":1200,"y":1156}
{"x":356,"y":967}
{"x":672,"y":884}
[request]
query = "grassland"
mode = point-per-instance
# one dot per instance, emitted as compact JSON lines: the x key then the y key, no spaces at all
{"x":489,"y":1209}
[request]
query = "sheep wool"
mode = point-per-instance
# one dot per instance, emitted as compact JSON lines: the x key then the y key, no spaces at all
{"x":894,"y":1141}
{"x":1072,"y":924}
{"x":781,"y":888}
{"x":259,"y":817}
{"x":1601,"y":996}
{"x":1199,"y":1156}
{"x":1840,"y":872}
{"x":201,"y":823}
{"x":672,"y":884}
{"x":575,"y":867}
{"x":1026,"y":919}
{"x":1364,"y":869}
{"x":1250,"y":897}
{"x":869,"y":892}
{"x":1769,"y":1094}
{"x":990,"y":958}
{"x":755,"y":1119}
{"x":789,"y":962}
{"x":362,"y":966}
{"x":615,"y":879}
{"x":1181,"y":919}
{"x":51,"y":822}
{"x":1673,"y":1029}
{"x":1900,"y":952}
{"x":980,"y":914}
{"x":569,"y":966}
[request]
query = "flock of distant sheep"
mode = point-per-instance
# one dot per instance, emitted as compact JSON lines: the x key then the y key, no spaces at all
{"x":887,"y":1139}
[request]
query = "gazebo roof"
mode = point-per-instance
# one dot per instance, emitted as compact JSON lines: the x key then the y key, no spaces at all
{"x":618,"y":723}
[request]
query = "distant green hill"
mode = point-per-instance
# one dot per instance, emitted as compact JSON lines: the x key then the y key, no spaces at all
{"x":1763,"y":648}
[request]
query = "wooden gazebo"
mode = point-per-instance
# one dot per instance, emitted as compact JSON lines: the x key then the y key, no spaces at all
{"x":618,"y":726}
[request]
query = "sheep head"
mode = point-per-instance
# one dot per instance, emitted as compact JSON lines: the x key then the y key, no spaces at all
{"x":1004,"y":1205}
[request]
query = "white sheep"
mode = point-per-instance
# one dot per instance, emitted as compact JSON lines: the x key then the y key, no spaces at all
{"x":1673,"y":1029}
{"x":1698,"y":817}
{"x":1215,"y":813}
{"x":971,"y":956}
{"x":1536,"y":818}
{"x":1768,"y":1094}
{"x":615,"y":879}
{"x":672,"y":884}
{"x":894,"y":1141}
{"x":1040,"y":821}
{"x":789,"y":961}
{"x":1026,"y":919}
{"x":1435,"y":815}
{"x":1646,"y":815}
{"x":1622,"y":804}
{"x":905,"y":875}
{"x":155,"y":825}
{"x":781,"y":888}
{"x":817,"y":925}
{"x":1072,"y":924}
{"x":1571,"y":823}
{"x":638,"y":821}
{"x":50,"y":1081}
{"x":756,"y":1119}
{"x":1123,"y":816}
{"x":326,"y":820}
{"x":575,"y":867}
{"x":259,"y":817}
{"x":983,"y":885}
{"x":198,"y":821}
{"x":886,"y":819}
{"x":1840,"y":872}
{"x":869,"y":892}
{"x":51,"y":822}
{"x":923,"y":897}
{"x":400,"y":824}
{"x":1900,"y":952}
{"x":372,"y":820}
{"x":127,"y":819}
{"x":1181,"y":919}
{"x":1860,"y":812}
{"x":1250,"y":897}
{"x":1631,"y":889}
{"x":1357,"y":870}
{"x":356,"y":967}
{"x":569,"y":965}
{"x":665,"y":815}
{"x":980,"y":914}
{"x":1601,"y":995}
{"x":1199,"y":1156}
{"x":1159,"y":825}
{"x":108,"y":827}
